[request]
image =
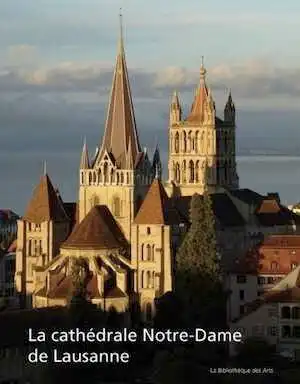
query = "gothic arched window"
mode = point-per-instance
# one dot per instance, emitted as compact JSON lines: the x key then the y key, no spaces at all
{"x":143,"y":279}
{"x":30,"y":247}
{"x":176,"y":143}
{"x":112,"y":176}
{"x":142,"y":252}
{"x":148,"y":252}
{"x":184,"y":142}
{"x":191,"y":171}
{"x":148,"y":280}
{"x":202,"y":143}
{"x":184,"y":171}
{"x":196,"y":141}
{"x":105,"y":171}
{"x":190,"y":146}
{"x":197,"y":172}
{"x":177,"y":173}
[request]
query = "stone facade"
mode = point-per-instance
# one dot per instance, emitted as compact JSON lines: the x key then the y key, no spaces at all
{"x":275,"y":316}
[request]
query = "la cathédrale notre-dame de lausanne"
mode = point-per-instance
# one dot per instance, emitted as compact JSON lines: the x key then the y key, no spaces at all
{"x":128,"y":222}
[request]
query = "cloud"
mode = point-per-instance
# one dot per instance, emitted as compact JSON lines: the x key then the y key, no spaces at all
{"x":21,"y":54}
{"x":255,"y":79}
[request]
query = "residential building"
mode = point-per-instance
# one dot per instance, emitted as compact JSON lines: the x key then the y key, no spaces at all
{"x":260,"y":270}
{"x":275,"y":316}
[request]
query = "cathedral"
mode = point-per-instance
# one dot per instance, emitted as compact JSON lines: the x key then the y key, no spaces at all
{"x":127,"y":222}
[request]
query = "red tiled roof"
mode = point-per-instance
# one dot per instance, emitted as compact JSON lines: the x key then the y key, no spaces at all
{"x":271,"y":213}
{"x":154,"y":208}
{"x":261,"y":259}
{"x":282,"y":241}
{"x":45,"y":204}
{"x":268,"y":206}
{"x":98,"y":230}
{"x":200,"y":100}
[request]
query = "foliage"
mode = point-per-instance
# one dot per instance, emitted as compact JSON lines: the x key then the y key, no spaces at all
{"x":6,"y":240}
{"x":198,"y":283}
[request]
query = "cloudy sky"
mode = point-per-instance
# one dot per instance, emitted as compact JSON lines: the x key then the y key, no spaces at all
{"x":56,"y":61}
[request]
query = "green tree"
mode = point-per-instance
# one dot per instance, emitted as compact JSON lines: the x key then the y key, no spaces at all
{"x":197,"y":282}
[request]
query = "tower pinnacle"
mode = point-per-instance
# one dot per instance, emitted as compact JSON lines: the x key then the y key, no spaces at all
{"x":202,"y":71}
{"x":201,"y":96}
{"x":84,"y":162}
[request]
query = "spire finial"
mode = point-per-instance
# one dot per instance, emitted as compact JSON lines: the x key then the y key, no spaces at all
{"x":202,"y":69}
{"x":121,"y":28}
{"x":45,"y":168}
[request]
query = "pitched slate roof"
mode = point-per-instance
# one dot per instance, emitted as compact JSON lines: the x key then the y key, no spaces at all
{"x":247,"y":195}
{"x":45,"y":205}
{"x":72,"y":212}
{"x":157,"y":207}
{"x":282,"y":241}
{"x":270,"y":212}
{"x":98,"y":230}
{"x":153,"y":208}
{"x":224,"y":209}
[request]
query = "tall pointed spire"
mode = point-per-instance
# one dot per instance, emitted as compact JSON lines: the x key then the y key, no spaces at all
{"x":156,"y":163}
{"x":201,"y":96}
{"x":84,"y":162}
{"x":229,"y":110}
{"x":120,"y":126}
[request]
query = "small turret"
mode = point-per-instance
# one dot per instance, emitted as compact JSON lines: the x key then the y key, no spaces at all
{"x":156,"y":164}
{"x":229,"y":111}
{"x":84,"y":162}
{"x":129,"y":157}
{"x":175,"y":110}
